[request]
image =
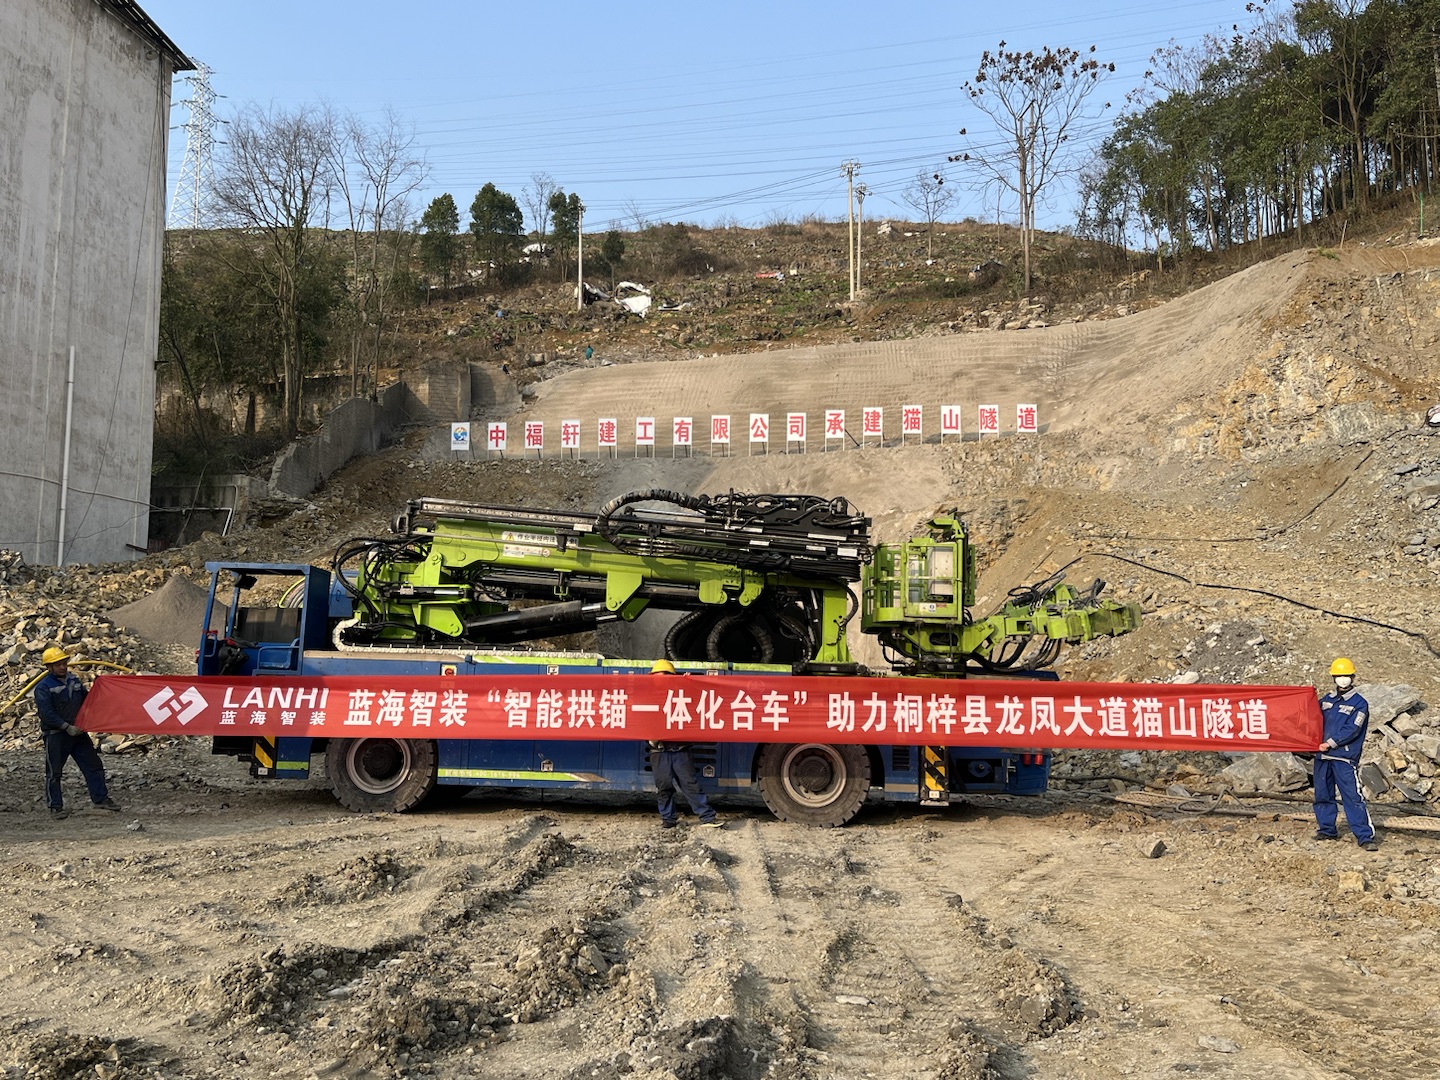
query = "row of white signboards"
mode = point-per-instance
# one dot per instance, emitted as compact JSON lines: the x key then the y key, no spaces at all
{"x":759,"y":430}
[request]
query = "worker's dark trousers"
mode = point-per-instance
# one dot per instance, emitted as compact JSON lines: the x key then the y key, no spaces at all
{"x":673,"y":768}
{"x":58,"y":748}
{"x":1332,"y":774}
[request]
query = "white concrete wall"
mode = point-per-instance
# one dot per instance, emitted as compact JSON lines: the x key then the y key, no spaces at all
{"x":84,"y":113}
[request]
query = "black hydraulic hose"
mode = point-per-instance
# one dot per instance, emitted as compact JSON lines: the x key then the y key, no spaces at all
{"x":1423,"y":639}
{"x":1264,"y":534}
{"x":754,"y":626}
{"x":615,"y":505}
{"x":680,"y":635}
{"x":854,"y":609}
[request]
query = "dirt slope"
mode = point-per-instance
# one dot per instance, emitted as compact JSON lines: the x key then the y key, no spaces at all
{"x":1247,"y":435}
{"x":1247,"y":462}
{"x":1125,"y":376}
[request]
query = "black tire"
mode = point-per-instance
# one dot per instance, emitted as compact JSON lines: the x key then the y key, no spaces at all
{"x":814,"y":783}
{"x":381,"y":775}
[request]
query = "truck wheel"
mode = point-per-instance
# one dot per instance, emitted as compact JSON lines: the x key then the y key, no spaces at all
{"x":380,"y":775}
{"x":812,"y":783}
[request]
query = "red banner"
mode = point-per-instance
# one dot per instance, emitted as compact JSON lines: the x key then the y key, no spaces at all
{"x":708,"y":708}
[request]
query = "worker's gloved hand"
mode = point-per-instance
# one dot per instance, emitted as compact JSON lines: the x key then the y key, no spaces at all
{"x":71,"y":729}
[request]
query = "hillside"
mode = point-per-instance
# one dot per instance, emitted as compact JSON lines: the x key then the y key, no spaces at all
{"x":737,"y":290}
{"x":1248,"y":461}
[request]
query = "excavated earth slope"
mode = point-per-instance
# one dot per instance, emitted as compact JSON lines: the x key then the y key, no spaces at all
{"x":1248,"y":462}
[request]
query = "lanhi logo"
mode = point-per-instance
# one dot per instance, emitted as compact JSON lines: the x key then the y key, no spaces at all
{"x":168,"y":705}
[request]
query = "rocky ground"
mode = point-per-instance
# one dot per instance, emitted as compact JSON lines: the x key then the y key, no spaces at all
{"x":1249,"y":463}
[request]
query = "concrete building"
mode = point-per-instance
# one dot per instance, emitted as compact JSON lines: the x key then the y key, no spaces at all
{"x":84,"y":116}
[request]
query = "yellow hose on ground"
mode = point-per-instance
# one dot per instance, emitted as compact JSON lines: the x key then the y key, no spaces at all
{"x":74,"y":663}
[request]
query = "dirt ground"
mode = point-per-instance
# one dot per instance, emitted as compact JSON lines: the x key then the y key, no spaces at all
{"x":218,"y":929}
{"x":1248,"y":463}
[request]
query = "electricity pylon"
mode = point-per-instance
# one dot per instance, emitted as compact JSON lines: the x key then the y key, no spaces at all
{"x":190,"y":202}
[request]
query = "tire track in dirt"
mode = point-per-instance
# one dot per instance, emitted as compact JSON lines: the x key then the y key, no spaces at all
{"x":681,"y":997}
{"x":504,"y":949}
{"x":393,"y":945}
{"x":1161,"y":945}
{"x":868,"y":983}
{"x":1289,"y":1004}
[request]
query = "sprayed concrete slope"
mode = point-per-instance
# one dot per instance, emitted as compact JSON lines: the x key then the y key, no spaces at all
{"x":1114,"y":374}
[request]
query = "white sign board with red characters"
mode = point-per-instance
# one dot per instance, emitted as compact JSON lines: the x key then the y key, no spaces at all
{"x":987,"y":420}
{"x":607,"y":432}
{"x":535,"y":435}
{"x":795,"y":428}
{"x":949,"y":421}
{"x":1027,"y":419}
{"x":872,"y":423}
{"x":759,"y":427}
{"x":715,"y":708}
{"x":496,"y":436}
{"x":682,"y":429}
{"x":912,"y":421}
{"x":835,"y":425}
{"x":720,"y":430}
{"x":570,"y":435}
{"x":644,"y":431}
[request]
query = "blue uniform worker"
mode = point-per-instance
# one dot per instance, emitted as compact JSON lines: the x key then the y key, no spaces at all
{"x":58,"y":696}
{"x":673,"y":768}
{"x":1347,"y":717}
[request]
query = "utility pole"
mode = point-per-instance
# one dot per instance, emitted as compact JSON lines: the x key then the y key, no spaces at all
{"x":850,"y":168}
{"x":580,"y":258}
{"x":861,"y":191}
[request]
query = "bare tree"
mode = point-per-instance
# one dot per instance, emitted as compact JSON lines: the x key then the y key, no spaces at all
{"x":377,"y":171}
{"x":536,"y":196}
{"x":635,"y":215}
{"x":1034,"y":100}
{"x":929,"y":195}
{"x":274,"y":183}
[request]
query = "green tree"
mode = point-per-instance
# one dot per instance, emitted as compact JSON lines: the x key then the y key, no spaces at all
{"x":612,"y":253}
{"x":440,"y":241}
{"x":497,"y":224}
{"x":1346,"y":41}
{"x":182,"y":336}
{"x":1405,"y":118}
{"x":219,"y":339}
{"x":1142,"y":180}
{"x":565,"y":217}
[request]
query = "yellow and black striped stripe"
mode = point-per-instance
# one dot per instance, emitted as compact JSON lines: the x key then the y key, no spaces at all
{"x":263,"y":755}
{"x":934,"y":775}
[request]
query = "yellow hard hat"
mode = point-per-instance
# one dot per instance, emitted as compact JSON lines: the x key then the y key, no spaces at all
{"x":662,"y":667}
{"x":1342,"y":666}
{"x":53,"y":655}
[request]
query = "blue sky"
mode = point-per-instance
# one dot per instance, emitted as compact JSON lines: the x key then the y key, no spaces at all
{"x":740,"y":113}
